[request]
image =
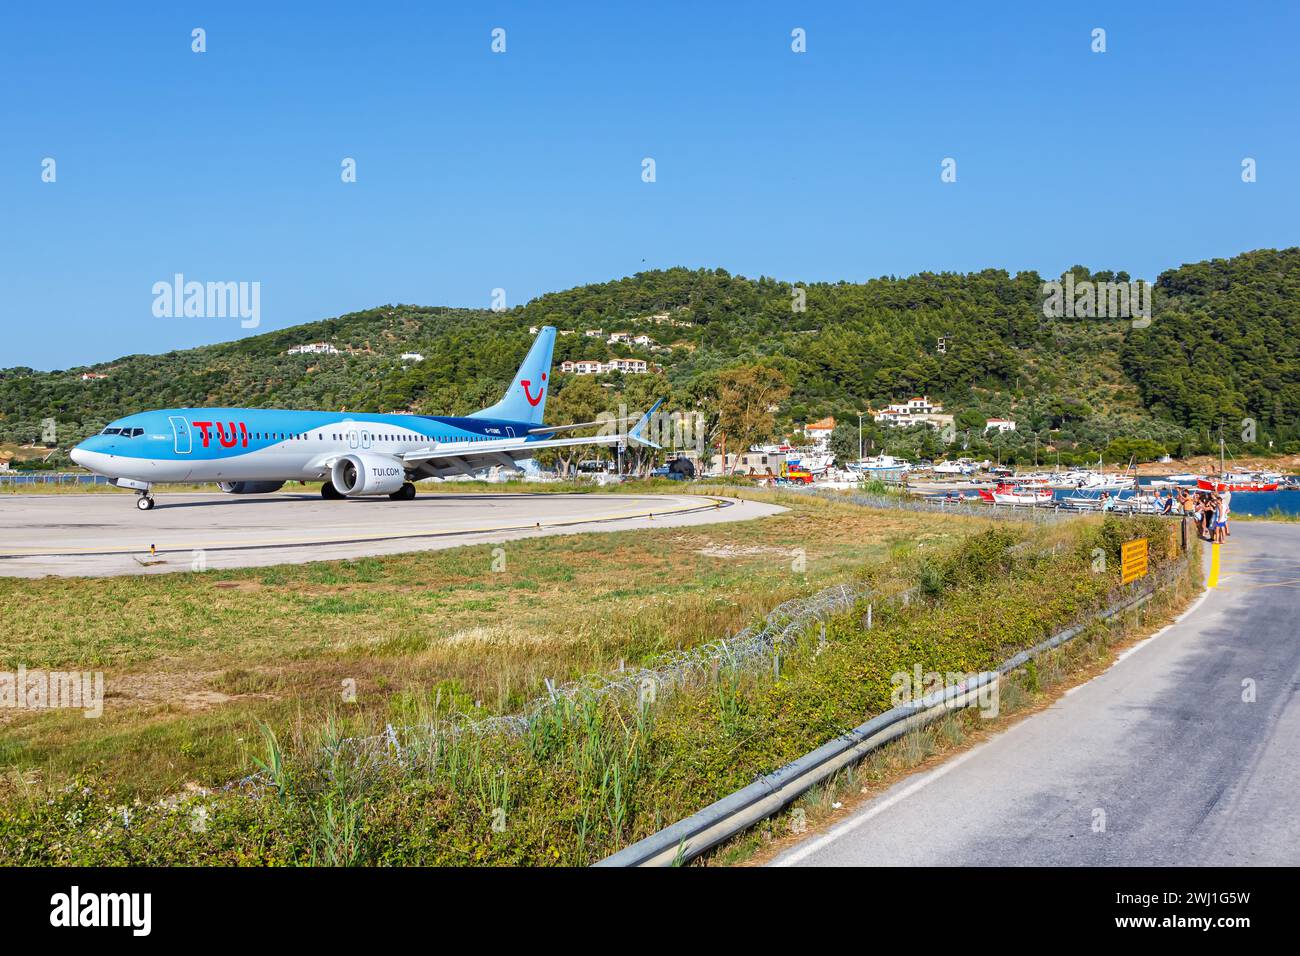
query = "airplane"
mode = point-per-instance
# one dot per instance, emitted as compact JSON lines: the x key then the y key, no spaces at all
{"x":255,"y":451}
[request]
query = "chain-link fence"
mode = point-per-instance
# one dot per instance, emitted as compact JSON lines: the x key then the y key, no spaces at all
{"x":10,"y":481}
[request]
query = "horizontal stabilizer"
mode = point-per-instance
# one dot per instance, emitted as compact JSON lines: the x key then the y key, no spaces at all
{"x":636,"y":434}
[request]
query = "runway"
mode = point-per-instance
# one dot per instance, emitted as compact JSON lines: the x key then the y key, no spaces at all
{"x":100,"y":535}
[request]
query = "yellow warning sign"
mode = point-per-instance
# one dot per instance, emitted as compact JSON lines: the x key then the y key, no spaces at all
{"x":1133,"y":560}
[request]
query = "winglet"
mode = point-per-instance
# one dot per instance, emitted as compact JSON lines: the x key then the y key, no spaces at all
{"x":634,"y":433}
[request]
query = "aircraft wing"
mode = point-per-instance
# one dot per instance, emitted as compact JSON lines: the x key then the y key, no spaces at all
{"x":506,"y":451}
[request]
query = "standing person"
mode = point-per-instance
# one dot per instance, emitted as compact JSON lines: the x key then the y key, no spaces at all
{"x":1167,"y":503}
{"x":1184,"y":507}
{"x":1227,"y":503}
{"x":1220,"y":520}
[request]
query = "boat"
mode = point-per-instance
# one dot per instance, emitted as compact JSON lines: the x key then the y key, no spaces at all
{"x":812,"y":462}
{"x":1237,"y":481}
{"x":1133,"y":504}
{"x":1006,"y":494}
{"x":882,"y":466}
{"x":1083,"y":479}
{"x":962,"y":466}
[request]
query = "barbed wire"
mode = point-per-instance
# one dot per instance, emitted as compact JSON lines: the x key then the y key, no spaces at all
{"x":975,"y":509}
{"x":664,"y":674}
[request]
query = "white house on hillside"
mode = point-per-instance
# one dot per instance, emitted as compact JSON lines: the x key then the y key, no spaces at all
{"x":914,"y":411}
{"x":624,"y":366}
{"x":820,"y":432}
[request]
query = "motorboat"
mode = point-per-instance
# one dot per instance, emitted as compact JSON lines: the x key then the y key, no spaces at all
{"x":1136,"y":503}
{"x":882,"y":466}
{"x":1007,"y":494}
{"x":812,"y":462}
{"x":962,"y":466}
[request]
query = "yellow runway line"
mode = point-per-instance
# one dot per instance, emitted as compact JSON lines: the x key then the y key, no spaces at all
{"x":238,"y":543}
{"x":1213,"y":581}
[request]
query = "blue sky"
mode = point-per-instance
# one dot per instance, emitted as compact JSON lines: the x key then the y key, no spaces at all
{"x":522,"y":170}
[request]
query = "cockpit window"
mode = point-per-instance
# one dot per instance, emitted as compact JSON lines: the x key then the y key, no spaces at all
{"x":111,"y":431}
{"x":124,"y":432}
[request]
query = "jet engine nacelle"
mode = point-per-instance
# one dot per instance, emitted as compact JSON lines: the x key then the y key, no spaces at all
{"x":355,"y":475}
{"x":250,"y":487}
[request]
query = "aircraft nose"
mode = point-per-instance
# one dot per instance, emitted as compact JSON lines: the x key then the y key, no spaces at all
{"x":79,"y":455}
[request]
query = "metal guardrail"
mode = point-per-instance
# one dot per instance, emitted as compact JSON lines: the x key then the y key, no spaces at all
{"x":769,"y":794}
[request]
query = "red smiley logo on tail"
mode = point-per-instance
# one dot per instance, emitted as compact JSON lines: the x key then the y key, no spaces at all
{"x":529,"y":395}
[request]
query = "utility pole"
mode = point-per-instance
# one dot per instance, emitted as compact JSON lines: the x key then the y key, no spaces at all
{"x":859,"y":436}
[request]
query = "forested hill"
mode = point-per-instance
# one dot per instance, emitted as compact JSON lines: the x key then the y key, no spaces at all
{"x":1222,"y":347}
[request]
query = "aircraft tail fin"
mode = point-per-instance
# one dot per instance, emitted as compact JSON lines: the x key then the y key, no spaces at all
{"x":525,"y":399}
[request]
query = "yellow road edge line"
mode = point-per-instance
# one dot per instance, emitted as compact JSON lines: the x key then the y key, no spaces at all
{"x":1213,"y":580}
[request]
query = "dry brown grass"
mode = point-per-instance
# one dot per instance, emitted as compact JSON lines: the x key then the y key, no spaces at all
{"x":190,"y":660}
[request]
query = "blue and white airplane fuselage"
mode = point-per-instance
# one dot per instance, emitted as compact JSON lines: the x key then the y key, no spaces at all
{"x":251,"y":450}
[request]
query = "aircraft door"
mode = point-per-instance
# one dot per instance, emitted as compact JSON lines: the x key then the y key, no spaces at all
{"x":181,"y":432}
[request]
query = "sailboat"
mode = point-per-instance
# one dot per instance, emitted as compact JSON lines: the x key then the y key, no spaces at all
{"x":1236,"y":480}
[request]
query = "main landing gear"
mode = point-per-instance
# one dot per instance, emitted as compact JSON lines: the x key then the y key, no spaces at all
{"x":144,"y":502}
{"x":404,"y":493}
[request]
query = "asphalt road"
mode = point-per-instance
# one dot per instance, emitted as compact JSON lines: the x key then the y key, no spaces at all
{"x":1161,"y":749}
{"x":104,"y":534}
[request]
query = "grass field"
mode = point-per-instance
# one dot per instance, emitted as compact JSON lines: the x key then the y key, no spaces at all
{"x":247,"y":682}
{"x":193,"y":661}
